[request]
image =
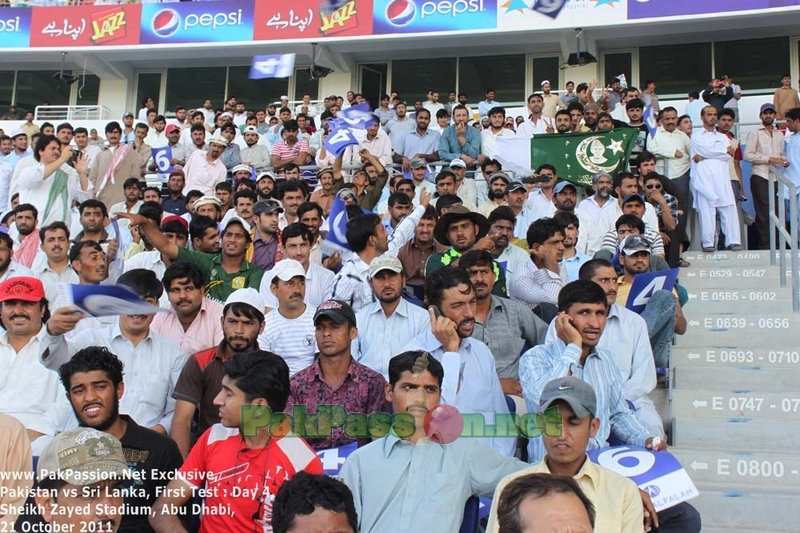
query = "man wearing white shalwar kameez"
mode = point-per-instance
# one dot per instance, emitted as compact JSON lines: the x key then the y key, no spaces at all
{"x":711,"y":186}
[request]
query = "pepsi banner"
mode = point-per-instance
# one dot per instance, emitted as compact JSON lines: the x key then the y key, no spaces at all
{"x":425,"y":16}
{"x":197,"y":22}
{"x":15,"y":26}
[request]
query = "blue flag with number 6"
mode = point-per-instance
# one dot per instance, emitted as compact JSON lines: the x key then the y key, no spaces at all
{"x":162,"y":158}
{"x":339,"y":138}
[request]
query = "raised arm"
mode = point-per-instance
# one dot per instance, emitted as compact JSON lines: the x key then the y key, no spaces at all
{"x":149,"y":229}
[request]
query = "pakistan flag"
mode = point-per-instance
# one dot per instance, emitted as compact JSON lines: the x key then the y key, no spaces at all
{"x":579,"y":156}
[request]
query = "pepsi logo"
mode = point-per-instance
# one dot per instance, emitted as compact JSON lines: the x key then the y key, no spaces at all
{"x":400,"y":12}
{"x":166,"y":23}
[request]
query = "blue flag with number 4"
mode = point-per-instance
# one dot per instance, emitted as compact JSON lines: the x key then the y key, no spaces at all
{"x":647,"y":283}
{"x":162,"y":158}
{"x":339,"y":138}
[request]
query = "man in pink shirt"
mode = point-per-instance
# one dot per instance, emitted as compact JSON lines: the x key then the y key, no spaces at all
{"x":290,"y":149}
{"x":204,"y":169}
{"x":195,"y":323}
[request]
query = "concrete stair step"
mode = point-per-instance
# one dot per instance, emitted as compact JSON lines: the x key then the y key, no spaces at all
{"x":761,"y":378}
{"x":730,"y":433}
{"x":740,"y":468}
{"x":727,"y":298}
{"x":734,"y":510}
{"x":733,"y":278}
{"x":727,"y":404}
{"x":740,"y":330}
{"x":754,"y":256}
{"x":700,"y":358}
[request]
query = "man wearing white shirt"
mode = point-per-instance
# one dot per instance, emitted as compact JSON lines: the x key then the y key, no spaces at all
{"x":27,"y":389}
{"x":152,"y":362}
{"x":387,"y":323}
{"x":132,"y":202}
{"x":376,"y":142}
{"x":543,"y":276}
{"x":176,"y":230}
{"x":205,"y":169}
{"x":52,"y":265}
{"x":565,"y":196}
{"x":290,"y":330}
{"x":713,"y":195}
{"x":465,"y":187}
{"x":540,"y":195}
{"x":516,"y":196}
{"x":624,"y":184}
{"x":82,"y":143}
{"x":186,"y":132}
{"x":470,"y":377}
{"x":601,"y":199}
{"x":156,"y":136}
{"x":536,"y":122}
{"x":51,"y":184}
{"x":497,"y":118}
{"x":671,"y":147}
{"x":297,"y":241}
{"x":433,"y":104}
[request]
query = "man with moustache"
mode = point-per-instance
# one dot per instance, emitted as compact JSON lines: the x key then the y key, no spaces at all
{"x":195,"y":323}
{"x":388,"y":323}
{"x":432,"y":499}
{"x":26,"y":218}
{"x":471,"y":383}
{"x":204,"y":169}
{"x":154,"y":362}
{"x":510,"y":256}
{"x":23,"y":310}
{"x":113,"y":166}
{"x":200,"y":380}
{"x":601,"y":199}
{"x":536,"y":122}
{"x":94,"y":386}
{"x":498,"y":183}
{"x":415,"y":253}
{"x":56,"y":267}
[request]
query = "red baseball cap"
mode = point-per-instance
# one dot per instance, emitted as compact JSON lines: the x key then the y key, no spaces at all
{"x":171,"y":128}
{"x":171,"y":218}
{"x":21,"y":288}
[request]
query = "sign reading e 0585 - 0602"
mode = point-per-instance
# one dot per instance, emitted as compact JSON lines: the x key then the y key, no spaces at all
{"x":197,"y":22}
{"x":423,"y":16}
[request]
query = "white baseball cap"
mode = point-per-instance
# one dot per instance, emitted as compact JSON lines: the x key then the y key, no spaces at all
{"x":247,"y":296}
{"x":286,"y":269}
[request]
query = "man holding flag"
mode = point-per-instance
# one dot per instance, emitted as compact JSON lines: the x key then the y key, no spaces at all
{"x":367,"y":238}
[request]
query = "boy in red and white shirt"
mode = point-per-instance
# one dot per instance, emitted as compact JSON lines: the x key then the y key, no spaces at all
{"x":238,"y":466}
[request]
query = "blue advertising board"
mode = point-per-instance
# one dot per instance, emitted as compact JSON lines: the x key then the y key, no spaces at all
{"x":15,"y":27}
{"x":423,"y":16}
{"x":197,"y":22}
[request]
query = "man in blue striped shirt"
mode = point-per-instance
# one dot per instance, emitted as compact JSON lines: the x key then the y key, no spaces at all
{"x":582,"y":317}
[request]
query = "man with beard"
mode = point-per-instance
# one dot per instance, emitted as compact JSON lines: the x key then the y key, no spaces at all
{"x":601,"y":199}
{"x":498,"y":183}
{"x":419,"y":143}
{"x":516,"y":196}
{"x":93,"y":381}
{"x":497,"y":119}
{"x":590,"y":116}
{"x":255,"y":154}
{"x":572,"y":258}
{"x":388,"y":323}
{"x":764,"y":147}
{"x":9,"y":268}
{"x":536,"y":122}
{"x":204,"y":169}
{"x":201,"y":379}
{"x":287,"y":282}
{"x":154,"y":362}
{"x":198,"y":138}
{"x":23,"y":310}
{"x":563,"y":122}
{"x":26,"y":218}
{"x":266,"y":235}
{"x":297,"y":241}
{"x":310,"y":214}
{"x":507,"y":327}
{"x":113,"y":166}
{"x":175,"y":202}
{"x":265,"y":185}
{"x":415,"y":253}
{"x":541,"y":278}
{"x":470,"y":375}
{"x":565,"y":196}
{"x":540,"y":195}
{"x":551,"y":101}
{"x":511,"y":257}
{"x":179,"y":152}
{"x":195,"y":324}
{"x":56,"y":267}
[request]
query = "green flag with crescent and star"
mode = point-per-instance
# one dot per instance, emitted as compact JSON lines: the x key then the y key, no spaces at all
{"x":579,"y":156}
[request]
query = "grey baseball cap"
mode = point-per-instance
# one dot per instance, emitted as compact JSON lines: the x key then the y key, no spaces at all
{"x":83,"y":456}
{"x":634,"y":243}
{"x":578,"y":394}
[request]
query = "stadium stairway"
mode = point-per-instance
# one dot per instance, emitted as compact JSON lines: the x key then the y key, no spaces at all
{"x":734,"y":404}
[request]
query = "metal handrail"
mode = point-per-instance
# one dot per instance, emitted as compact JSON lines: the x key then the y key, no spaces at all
{"x":778,"y":222}
{"x":71,"y":112}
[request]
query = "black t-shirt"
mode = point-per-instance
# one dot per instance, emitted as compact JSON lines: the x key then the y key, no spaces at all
{"x":147,"y":453}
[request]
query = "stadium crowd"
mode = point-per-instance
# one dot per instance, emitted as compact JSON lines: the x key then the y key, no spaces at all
{"x":453,"y":284}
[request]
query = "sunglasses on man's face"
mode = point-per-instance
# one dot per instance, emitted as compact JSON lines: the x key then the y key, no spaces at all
{"x":653,"y":186}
